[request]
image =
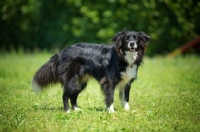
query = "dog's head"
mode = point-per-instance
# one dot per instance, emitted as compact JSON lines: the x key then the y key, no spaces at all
{"x":130,"y":41}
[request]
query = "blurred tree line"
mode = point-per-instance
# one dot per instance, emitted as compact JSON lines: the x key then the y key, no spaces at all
{"x":50,"y":24}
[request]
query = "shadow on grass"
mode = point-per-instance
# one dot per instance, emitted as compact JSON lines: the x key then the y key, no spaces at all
{"x":98,"y":109}
{"x":52,"y":108}
{"x":47,"y":108}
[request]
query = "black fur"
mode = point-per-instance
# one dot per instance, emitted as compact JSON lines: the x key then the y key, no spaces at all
{"x":106,"y":63}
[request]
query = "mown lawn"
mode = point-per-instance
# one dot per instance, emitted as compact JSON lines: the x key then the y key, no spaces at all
{"x":165,"y":97}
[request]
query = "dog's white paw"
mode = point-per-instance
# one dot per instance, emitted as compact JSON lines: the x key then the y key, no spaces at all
{"x":76,"y":109}
{"x":126,"y":106}
{"x":111,"y":109}
{"x":68,"y":111}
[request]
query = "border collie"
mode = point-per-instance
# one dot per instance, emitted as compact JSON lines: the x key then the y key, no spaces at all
{"x":113,"y":66}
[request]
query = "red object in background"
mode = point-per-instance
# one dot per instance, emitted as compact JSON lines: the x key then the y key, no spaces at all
{"x":194,"y":44}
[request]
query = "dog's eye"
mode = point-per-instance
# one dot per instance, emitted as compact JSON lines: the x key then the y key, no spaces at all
{"x":135,"y":37}
{"x":127,"y":37}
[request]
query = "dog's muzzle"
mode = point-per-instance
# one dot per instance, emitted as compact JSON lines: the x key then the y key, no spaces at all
{"x":132,"y":45}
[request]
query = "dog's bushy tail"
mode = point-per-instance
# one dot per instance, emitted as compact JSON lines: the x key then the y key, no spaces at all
{"x":46,"y":75}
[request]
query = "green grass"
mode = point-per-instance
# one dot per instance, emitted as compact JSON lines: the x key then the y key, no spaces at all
{"x":165,"y":97}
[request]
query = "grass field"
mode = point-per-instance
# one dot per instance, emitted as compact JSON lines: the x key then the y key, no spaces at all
{"x":165,"y":97}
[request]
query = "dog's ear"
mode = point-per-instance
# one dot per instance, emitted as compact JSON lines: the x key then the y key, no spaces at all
{"x":118,"y":36}
{"x":117,"y":39}
{"x":144,"y":38}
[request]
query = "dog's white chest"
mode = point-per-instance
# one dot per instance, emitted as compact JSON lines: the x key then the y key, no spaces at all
{"x":131,"y":57}
{"x":130,"y":73}
{"x":127,"y":75}
{"x":131,"y":70}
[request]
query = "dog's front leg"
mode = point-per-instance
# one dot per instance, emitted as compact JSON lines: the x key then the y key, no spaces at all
{"x":109,"y":95}
{"x":108,"y":90}
{"x":126,"y":99}
{"x":124,"y":96}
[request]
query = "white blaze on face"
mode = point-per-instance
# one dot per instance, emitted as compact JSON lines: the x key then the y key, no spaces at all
{"x":132,"y":45}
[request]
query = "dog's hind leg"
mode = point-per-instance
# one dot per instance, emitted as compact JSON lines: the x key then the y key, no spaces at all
{"x":74,"y":96}
{"x":65,"y":101}
{"x":73,"y":100}
{"x":71,"y":92}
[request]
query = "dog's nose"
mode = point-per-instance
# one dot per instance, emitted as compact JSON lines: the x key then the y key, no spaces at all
{"x":133,"y":44}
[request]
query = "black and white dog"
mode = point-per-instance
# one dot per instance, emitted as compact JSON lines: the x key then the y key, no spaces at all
{"x":113,"y":66}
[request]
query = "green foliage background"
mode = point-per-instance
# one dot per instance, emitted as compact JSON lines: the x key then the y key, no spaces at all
{"x":50,"y":24}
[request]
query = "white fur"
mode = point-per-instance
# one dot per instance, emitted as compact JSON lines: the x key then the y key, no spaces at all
{"x":130,"y":57}
{"x":111,"y":109}
{"x":68,"y":111}
{"x":130,"y":73}
{"x":74,"y":108}
{"x":127,"y":75}
{"x":77,"y":109}
{"x":134,"y":46}
{"x":126,"y":106}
